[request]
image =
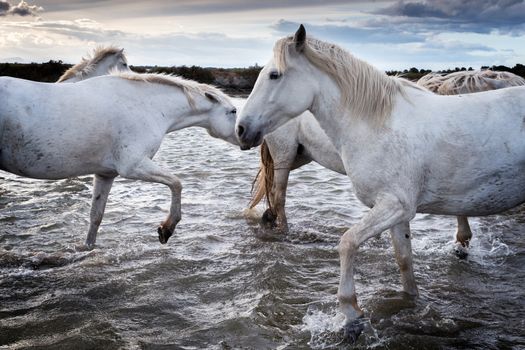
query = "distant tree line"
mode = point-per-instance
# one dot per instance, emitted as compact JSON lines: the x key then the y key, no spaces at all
{"x":45,"y":72}
{"x":233,"y":80}
{"x":414,"y":73}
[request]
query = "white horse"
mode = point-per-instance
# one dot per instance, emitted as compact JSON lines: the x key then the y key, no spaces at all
{"x":405,"y":149}
{"x":464,"y":82}
{"x":302,"y":140}
{"x":107,"y":126}
{"x":100,"y":62}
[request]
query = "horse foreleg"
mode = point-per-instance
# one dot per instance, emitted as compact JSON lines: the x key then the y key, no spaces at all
{"x":101,"y":187}
{"x":386,"y":213}
{"x":463,"y":236}
{"x":403,"y":252}
{"x":148,"y":171}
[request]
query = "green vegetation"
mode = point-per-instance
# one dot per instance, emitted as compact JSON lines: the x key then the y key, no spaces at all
{"x":232,"y":80}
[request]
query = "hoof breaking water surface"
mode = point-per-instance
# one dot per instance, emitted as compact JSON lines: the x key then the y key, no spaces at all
{"x":222,"y":282}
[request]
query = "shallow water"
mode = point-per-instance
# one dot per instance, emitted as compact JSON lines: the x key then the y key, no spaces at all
{"x":222,"y":282}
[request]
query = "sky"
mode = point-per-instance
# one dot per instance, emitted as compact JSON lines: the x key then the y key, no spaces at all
{"x":392,"y":35}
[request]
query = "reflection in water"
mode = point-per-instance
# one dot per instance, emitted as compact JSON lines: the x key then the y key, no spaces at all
{"x":224,"y":283}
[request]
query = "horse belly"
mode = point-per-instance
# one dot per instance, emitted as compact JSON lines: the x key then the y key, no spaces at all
{"x":482,"y":195}
{"x":41,"y":153}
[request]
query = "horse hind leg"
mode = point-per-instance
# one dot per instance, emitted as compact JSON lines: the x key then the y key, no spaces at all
{"x":463,"y":236}
{"x":403,"y":251}
{"x":278,"y":196}
{"x":147,"y":170}
{"x":101,"y":187}
{"x":293,"y":160}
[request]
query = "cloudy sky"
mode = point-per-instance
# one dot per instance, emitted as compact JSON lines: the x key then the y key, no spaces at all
{"x":397,"y":34}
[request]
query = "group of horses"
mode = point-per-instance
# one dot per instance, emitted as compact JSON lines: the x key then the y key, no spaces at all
{"x":408,"y":148}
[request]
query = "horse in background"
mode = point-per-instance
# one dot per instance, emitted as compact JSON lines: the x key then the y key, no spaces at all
{"x":101,"y":61}
{"x":302,"y":140}
{"x":465,"y":82}
{"x":107,"y":126}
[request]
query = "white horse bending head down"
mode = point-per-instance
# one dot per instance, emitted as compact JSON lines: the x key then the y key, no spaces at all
{"x":405,"y":149}
{"x":101,"y":61}
{"x":108,"y":126}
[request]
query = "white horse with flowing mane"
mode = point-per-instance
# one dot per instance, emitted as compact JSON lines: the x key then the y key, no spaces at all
{"x":107,"y":126}
{"x":405,"y":149}
{"x":101,"y":61}
{"x":302,"y":140}
{"x":464,"y":82}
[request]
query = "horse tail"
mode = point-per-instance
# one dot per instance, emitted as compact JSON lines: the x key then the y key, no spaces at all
{"x":263,"y":181}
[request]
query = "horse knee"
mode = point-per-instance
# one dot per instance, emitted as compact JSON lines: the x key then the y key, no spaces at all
{"x":347,"y":244}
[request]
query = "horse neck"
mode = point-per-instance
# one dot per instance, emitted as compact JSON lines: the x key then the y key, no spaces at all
{"x":182,"y":115}
{"x":334,"y":120}
{"x":101,"y":68}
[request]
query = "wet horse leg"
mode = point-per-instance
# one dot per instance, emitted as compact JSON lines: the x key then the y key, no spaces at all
{"x":147,"y":170}
{"x":278,"y":195}
{"x":283,"y":155}
{"x":101,"y":187}
{"x":403,"y":251}
{"x":463,"y":236}
{"x":386,"y":213}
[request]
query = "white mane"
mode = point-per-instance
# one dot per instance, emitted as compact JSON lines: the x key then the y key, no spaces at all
{"x":87,"y":64}
{"x":469,"y":81}
{"x":189,"y":87}
{"x":368,"y":92}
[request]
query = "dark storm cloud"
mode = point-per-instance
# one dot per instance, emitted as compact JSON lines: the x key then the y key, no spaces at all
{"x":189,"y":7}
{"x":4,"y":7}
{"x":348,"y":33}
{"x":22,"y":9}
{"x":382,"y":32}
{"x":464,"y":15}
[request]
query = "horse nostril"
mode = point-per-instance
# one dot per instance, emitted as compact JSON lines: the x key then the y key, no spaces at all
{"x":240,"y":130}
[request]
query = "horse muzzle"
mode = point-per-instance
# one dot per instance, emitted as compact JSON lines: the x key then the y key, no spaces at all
{"x":248,"y":137}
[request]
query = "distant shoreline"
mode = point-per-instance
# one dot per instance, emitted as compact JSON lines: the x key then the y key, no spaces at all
{"x":233,"y":81}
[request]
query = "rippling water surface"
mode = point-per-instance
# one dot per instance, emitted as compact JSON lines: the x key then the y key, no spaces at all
{"x":224,"y":283}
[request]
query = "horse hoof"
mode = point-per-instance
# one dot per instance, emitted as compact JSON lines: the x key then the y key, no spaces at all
{"x":353,"y":329}
{"x":164,"y":234}
{"x":461,"y":251}
{"x":268,"y":218}
{"x":85,"y":247}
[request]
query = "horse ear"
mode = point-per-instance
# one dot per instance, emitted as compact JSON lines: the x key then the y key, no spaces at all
{"x":300,"y":38}
{"x":211,"y":97}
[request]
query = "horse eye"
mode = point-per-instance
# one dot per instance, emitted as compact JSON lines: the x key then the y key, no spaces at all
{"x":233,"y":111}
{"x":274,"y":75}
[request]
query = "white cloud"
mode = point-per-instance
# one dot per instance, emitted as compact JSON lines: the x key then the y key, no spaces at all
{"x":69,"y":40}
{"x":235,"y":33}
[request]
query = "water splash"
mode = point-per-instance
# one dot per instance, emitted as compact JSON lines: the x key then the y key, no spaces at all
{"x":323,"y":322}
